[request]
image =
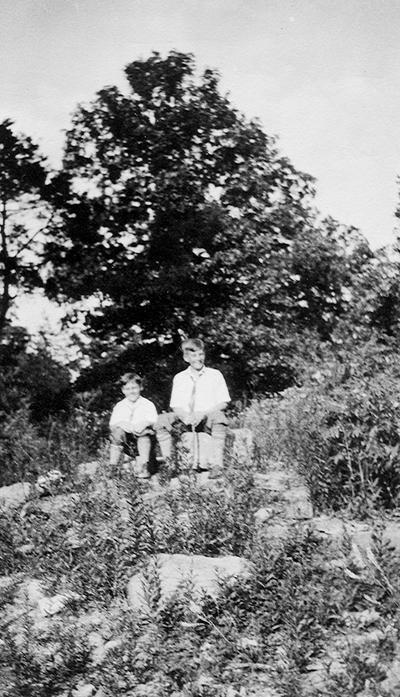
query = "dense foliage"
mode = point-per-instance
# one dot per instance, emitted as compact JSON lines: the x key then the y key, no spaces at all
{"x":23,"y":215}
{"x":266,"y":632}
{"x":341,"y":427}
{"x":177,"y":215}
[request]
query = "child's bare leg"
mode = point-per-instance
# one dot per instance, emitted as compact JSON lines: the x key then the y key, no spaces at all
{"x":217,"y":423}
{"x":163,"y":432}
{"x":144,"y":447}
{"x":118,"y":438}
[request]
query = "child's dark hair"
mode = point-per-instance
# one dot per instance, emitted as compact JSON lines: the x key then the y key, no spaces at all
{"x":131,"y":377}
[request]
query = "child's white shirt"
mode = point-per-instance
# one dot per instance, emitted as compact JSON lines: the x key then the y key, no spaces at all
{"x":133,"y":417}
{"x":207,"y":388}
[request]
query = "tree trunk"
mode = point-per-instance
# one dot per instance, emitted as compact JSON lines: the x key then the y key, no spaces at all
{"x":5,"y":272}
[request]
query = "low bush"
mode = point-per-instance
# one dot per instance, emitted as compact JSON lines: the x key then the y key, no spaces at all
{"x":344,"y":437}
{"x":28,"y":449}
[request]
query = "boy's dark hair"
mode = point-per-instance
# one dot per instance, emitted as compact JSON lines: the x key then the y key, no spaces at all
{"x":193,"y":345}
{"x":131,"y":377}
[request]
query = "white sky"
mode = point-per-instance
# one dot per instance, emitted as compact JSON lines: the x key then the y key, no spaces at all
{"x":324,"y":75}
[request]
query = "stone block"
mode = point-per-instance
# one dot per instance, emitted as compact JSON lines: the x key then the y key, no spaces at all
{"x":391,"y":535}
{"x":276,"y":532}
{"x":275,"y":481}
{"x":14,"y":495}
{"x":262,"y":515}
{"x":240,"y":443}
{"x":56,"y":504}
{"x":391,"y":685}
{"x":88,"y":469}
{"x":338,"y":530}
{"x":297,"y":504}
{"x":174,"y":569}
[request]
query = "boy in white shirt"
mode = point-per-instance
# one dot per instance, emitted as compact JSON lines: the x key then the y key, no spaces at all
{"x":132,"y":420}
{"x":198,"y":400}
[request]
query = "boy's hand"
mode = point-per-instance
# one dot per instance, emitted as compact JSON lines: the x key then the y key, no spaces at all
{"x":125,"y":425}
{"x":183,"y":416}
{"x":139,"y":427}
{"x":198,"y":417}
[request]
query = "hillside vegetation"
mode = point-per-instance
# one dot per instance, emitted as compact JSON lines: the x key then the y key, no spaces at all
{"x":304,"y":609}
{"x":173,"y":215}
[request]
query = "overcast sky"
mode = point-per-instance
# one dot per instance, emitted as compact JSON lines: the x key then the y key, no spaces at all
{"x":323,"y":75}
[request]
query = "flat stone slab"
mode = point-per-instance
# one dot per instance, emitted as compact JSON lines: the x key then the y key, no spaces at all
{"x":286,"y":493}
{"x":337,"y":530}
{"x":56,"y":504}
{"x":174,"y":569}
{"x":88,"y":469}
{"x":391,"y":534}
{"x":14,"y":495}
{"x":278,"y":480}
{"x":296,"y":503}
{"x":277,"y":532}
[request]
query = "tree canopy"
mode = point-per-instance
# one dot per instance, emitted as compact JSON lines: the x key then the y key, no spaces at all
{"x":178,"y":215}
{"x":23,"y":176}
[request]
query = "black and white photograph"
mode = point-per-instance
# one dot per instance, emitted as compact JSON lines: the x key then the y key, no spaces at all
{"x":199,"y":348}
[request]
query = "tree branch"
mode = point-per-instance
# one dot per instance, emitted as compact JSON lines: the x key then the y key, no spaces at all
{"x":5,"y":298}
{"x":35,"y":234}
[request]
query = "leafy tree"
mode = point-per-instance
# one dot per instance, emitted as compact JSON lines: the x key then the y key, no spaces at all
{"x":22,"y":183}
{"x":30,"y":377}
{"x":178,"y":216}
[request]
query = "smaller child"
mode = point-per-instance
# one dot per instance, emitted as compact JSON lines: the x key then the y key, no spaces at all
{"x":132,"y":420}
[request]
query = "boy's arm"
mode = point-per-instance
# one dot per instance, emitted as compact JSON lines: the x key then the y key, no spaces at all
{"x":119,"y":419}
{"x":222,"y":395}
{"x":221,"y":406}
{"x":182,"y":414}
{"x":177,"y":398}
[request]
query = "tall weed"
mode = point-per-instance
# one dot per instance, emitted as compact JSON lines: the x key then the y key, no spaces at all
{"x":343,"y":437}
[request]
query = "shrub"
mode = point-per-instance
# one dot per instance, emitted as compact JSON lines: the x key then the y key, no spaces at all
{"x":23,"y":451}
{"x":44,"y":665}
{"x":28,"y":449}
{"x":344,"y":437}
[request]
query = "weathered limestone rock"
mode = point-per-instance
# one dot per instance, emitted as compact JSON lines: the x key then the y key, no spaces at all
{"x":356,"y":534}
{"x":88,"y":469}
{"x":263,"y":514}
{"x":276,"y":481}
{"x":84,"y":690}
{"x":391,"y":685}
{"x":391,"y":534}
{"x":14,"y":495}
{"x":240,"y":443}
{"x":32,"y":590}
{"x":49,"y":482}
{"x":338,"y":531}
{"x":173,"y":569}
{"x":296,"y":503}
{"x":275,"y":532}
{"x":53,"y":504}
{"x":54,"y":604}
{"x":329,"y":528}
{"x":286,"y":493}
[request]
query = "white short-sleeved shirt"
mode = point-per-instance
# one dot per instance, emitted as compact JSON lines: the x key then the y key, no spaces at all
{"x":210,"y":390}
{"x":133,"y":416}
